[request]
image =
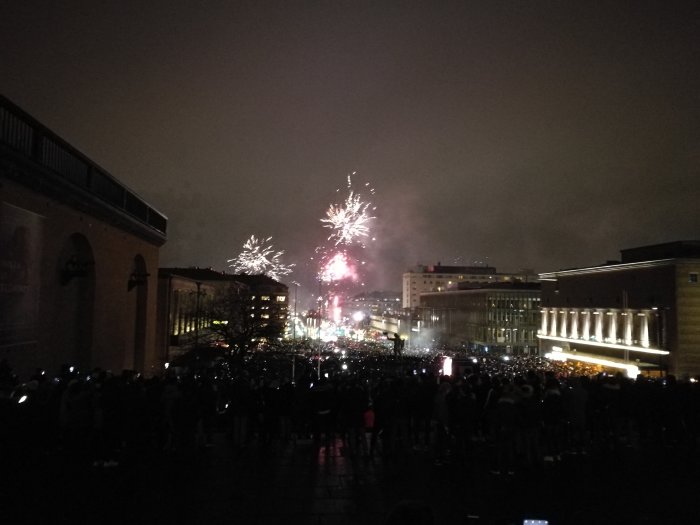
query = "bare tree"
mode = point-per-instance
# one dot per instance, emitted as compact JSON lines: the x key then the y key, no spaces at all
{"x":236,"y":320}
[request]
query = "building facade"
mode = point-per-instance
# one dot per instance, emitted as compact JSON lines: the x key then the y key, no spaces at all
{"x":641,"y":314}
{"x":184,"y":310}
{"x":425,"y":279}
{"x":77,"y":253}
{"x":269,"y":300}
{"x":375,"y":303}
{"x":500,"y":317}
{"x":189,"y":304}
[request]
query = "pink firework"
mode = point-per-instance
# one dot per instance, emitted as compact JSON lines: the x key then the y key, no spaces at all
{"x":337,"y":268}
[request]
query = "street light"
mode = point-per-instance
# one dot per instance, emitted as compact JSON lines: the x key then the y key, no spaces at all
{"x":294,"y":322}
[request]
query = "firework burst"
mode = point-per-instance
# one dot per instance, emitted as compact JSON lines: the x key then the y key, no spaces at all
{"x":337,"y":268}
{"x":259,"y":258}
{"x":350,"y":220}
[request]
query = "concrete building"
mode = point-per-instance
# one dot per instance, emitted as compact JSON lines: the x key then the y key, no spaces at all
{"x":639,"y":314}
{"x":269,"y":299}
{"x":375,"y":303}
{"x":77,"y":251}
{"x":437,"y":278}
{"x":498,"y":318}
{"x":184,"y":320}
{"x":186,"y":298}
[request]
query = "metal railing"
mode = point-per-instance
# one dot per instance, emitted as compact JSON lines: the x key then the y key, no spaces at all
{"x":28,"y":138}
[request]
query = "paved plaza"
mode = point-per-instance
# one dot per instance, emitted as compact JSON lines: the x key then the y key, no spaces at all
{"x":308,"y":483}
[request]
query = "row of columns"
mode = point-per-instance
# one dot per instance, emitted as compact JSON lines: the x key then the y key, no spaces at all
{"x":615,"y":326}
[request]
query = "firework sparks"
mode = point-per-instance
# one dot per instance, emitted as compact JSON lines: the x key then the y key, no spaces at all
{"x":259,"y":258}
{"x":350,"y":220}
{"x":336,"y":268}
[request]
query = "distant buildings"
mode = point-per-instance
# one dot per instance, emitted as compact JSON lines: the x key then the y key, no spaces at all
{"x":79,"y":253}
{"x":499,"y":317}
{"x":78,"y":256}
{"x":471,"y":307}
{"x":424,"y":279}
{"x":639,"y":314}
{"x":375,"y":303}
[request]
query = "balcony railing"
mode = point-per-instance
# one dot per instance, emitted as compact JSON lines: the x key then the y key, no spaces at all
{"x":29,"y":139}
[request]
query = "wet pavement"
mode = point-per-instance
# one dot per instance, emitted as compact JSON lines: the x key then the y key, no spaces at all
{"x":307,"y":483}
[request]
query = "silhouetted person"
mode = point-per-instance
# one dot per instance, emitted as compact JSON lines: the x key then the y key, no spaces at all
{"x":398,"y":344}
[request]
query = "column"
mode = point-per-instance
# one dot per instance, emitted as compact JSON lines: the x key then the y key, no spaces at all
{"x":586,"y":332}
{"x":544,"y":321}
{"x":599,"y":325}
{"x":644,"y":329}
{"x":629,"y":318}
{"x":574,"y":324}
{"x":564,"y":314}
{"x":612,"y":327}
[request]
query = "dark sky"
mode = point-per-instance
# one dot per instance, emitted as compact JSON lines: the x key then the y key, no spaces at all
{"x":524,"y":134}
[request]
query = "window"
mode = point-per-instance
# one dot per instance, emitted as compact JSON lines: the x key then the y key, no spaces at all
{"x":281,"y":298}
{"x":693,"y":277}
{"x":264,"y":297}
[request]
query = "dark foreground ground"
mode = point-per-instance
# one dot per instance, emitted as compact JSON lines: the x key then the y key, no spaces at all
{"x":310,"y":484}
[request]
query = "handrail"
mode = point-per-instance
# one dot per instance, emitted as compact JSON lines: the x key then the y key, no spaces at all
{"x":27,"y":137}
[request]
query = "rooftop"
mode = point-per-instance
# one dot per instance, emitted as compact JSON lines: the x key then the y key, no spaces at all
{"x":209,"y":274}
{"x":40,"y":159}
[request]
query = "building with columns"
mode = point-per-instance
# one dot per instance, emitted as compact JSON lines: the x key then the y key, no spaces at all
{"x":641,"y":314}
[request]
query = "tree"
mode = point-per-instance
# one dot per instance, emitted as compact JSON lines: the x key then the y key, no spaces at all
{"x":238,"y":320}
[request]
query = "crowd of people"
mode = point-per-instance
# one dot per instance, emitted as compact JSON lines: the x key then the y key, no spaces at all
{"x":523,"y":413}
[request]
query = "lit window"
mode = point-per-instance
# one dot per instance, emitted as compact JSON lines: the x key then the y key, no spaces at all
{"x":264,"y":297}
{"x":281,"y":298}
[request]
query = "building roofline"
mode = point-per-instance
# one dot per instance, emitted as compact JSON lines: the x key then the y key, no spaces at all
{"x":529,"y":287}
{"x":209,"y":274}
{"x":614,"y":268}
{"x":35,"y":156}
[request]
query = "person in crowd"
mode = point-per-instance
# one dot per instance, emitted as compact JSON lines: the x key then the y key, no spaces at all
{"x":441,"y":422}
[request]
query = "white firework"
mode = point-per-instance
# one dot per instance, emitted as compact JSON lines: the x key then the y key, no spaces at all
{"x":350,"y":220}
{"x":259,"y":258}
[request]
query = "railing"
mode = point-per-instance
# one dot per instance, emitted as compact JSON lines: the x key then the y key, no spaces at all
{"x":30,"y":139}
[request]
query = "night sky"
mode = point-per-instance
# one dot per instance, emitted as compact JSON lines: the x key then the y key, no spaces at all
{"x":524,"y":134}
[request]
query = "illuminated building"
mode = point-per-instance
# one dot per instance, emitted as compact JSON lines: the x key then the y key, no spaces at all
{"x":438,"y":278}
{"x":498,"y":317}
{"x":375,"y":303}
{"x":186,"y":298}
{"x":269,"y":299}
{"x":639,"y":314}
{"x":77,"y":251}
